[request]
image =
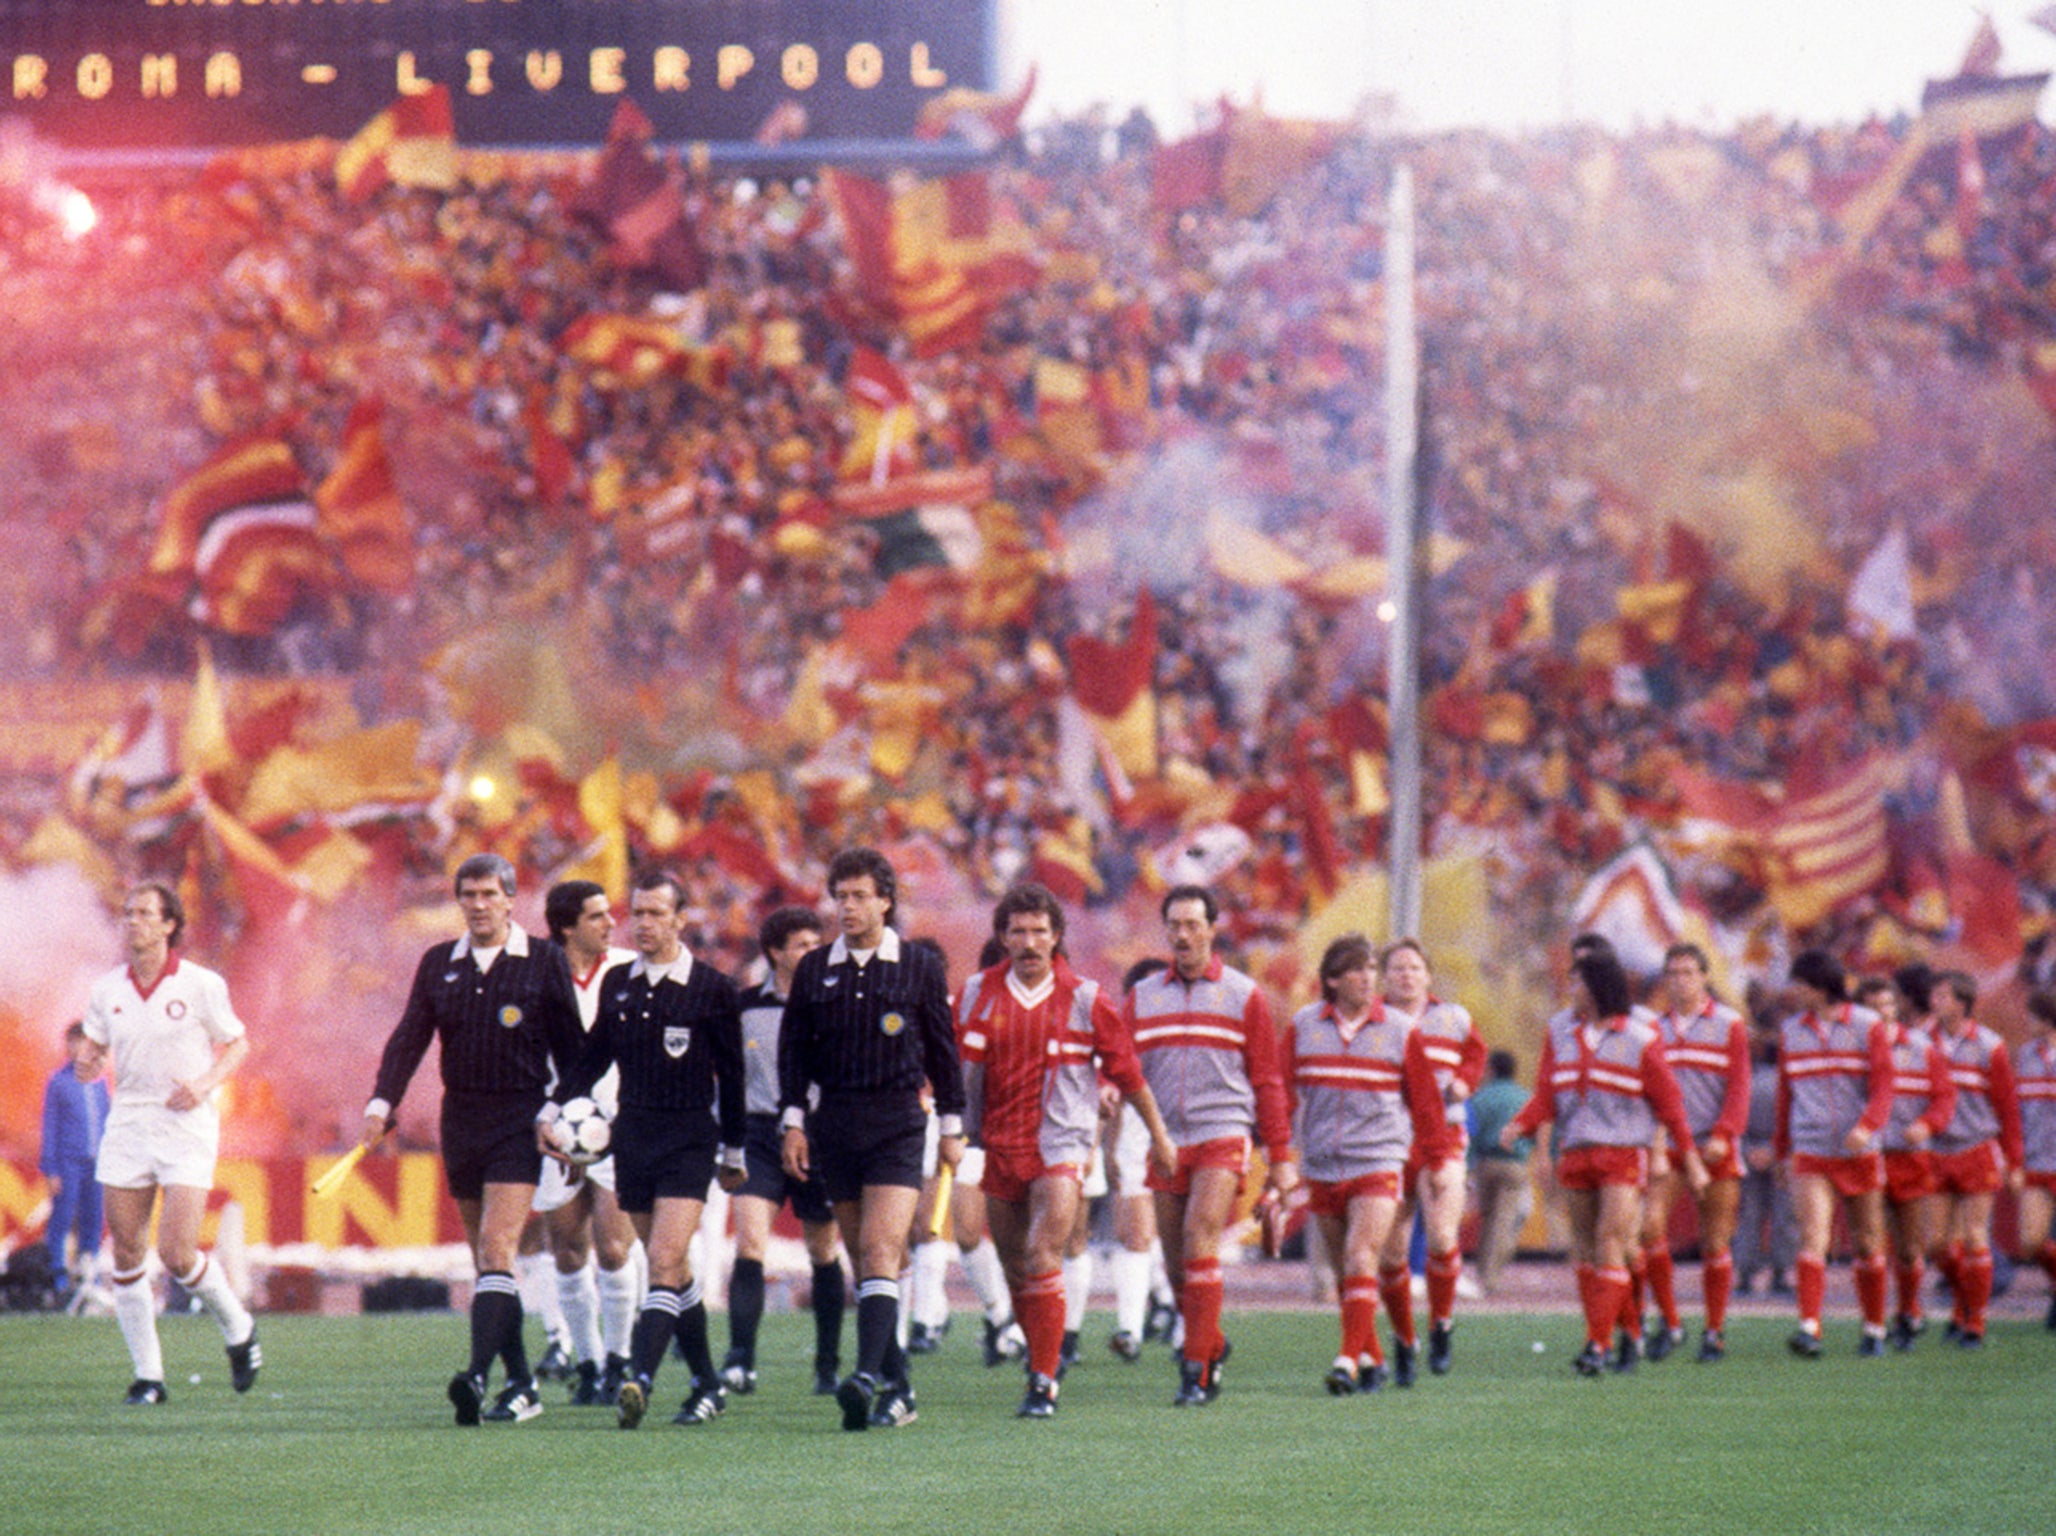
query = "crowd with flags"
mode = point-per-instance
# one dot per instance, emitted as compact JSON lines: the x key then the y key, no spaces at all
{"x":1026,"y":521}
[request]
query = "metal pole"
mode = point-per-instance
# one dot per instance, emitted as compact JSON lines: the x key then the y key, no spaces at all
{"x":1402,"y":650}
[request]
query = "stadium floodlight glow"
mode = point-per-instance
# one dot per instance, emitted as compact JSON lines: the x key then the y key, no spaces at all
{"x":483,"y":788}
{"x":1387,"y":611}
{"x":76,"y":215}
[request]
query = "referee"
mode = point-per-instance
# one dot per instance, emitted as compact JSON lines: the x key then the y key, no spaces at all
{"x":868,"y":1021}
{"x":503,"y":1006}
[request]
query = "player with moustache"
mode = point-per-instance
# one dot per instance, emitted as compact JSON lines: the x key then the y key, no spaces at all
{"x":1031,"y":1031}
{"x":503,"y":1007}
{"x":867,"y":1024}
{"x":1210,"y":1053}
{"x":672,"y":1026}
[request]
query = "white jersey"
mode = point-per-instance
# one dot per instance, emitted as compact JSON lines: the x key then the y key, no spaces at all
{"x":162,"y":1037}
{"x":607,"y":1091}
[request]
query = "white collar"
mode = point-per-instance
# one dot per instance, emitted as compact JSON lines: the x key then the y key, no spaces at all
{"x":888,"y":948}
{"x":678,"y":970}
{"x":1029,"y":997}
{"x":517,"y":943}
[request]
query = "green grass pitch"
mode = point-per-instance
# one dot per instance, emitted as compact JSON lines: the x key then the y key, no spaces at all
{"x":347,"y":1431}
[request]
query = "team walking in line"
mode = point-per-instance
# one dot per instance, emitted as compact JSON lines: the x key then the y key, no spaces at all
{"x":849,"y":1076}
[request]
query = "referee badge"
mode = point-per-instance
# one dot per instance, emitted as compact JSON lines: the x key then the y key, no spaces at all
{"x":893,"y":1023}
{"x":510,"y":1017}
{"x":676,"y":1038}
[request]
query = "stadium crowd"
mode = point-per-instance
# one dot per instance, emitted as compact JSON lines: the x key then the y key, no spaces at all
{"x":1671,"y":404}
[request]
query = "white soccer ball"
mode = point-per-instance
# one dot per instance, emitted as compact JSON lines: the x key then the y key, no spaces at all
{"x":582,"y":1131}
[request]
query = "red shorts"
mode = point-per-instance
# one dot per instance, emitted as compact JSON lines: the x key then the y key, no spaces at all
{"x":1008,"y":1174}
{"x":1230,"y":1152}
{"x":1973,"y":1171}
{"x":2038,"y":1179}
{"x":1850,"y":1176}
{"x":1416,"y":1164}
{"x":1909,"y":1175}
{"x":1596,"y":1167}
{"x":1331,"y":1197}
{"x":1728,"y":1167}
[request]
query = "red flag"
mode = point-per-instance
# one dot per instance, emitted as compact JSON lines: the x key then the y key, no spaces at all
{"x":548,"y":453}
{"x":1107,"y":676}
{"x":640,"y":205}
{"x":255,"y":563}
{"x":1187,"y":174}
{"x":876,"y":633}
{"x":361,"y":509}
{"x":412,"y":142}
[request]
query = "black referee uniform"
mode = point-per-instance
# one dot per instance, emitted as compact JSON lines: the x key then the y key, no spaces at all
{"x":679,"y":1048}
{"x":678,"y":1043}
{"x":501,"y":1030}
{"x":867,"y":1037}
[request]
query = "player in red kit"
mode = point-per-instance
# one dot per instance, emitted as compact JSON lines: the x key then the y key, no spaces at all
{"x":1707,"y":1045}
{"x":1365,"y":1099}
{"x":1030,"y":1030}
{"x":1834,"y":1098}
{"x":1433,"y":1179}
{"x":1976,"y":1152}
{"x":1210,"y":1052}
{"x":1603,"y":1079}
{"x":1923,"y":1099}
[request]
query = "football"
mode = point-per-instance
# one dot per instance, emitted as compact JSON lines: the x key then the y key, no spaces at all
{"x":582,"y":1131}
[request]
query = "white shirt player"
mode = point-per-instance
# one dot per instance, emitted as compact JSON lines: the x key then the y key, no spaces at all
{"x":164,"y":1037}
{"x":607,"y":1091}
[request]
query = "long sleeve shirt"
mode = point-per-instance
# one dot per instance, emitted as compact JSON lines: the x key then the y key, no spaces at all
{"x":1030,"y":1082}
{"x":74,"y":1113}
{"x":1361,"y":1100}
{"x":882,"y":1026}
{"x":1834,"y":1074}
{"x":1987,"y":1107}
{"x":1210,"y":1052}
{"x":502,"y":1029}
{"x":1708,"y":1053}
{"x":1605,"y":1083}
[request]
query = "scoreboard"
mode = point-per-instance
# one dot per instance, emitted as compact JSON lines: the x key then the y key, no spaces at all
{"x":188,"y":73}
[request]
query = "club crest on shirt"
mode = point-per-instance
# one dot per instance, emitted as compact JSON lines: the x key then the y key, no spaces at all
{"x":510,"y":1017}
{"x":676,"y":1038}
{"x":893,"y":1023}
{"x":175,"y":1009}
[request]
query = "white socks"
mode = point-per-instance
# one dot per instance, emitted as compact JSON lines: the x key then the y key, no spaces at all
{"x":209,"y":1284}
{"x":1131,"y":1292}
{"x":578,"y":1296}
{"x":989,"y":1280}
{"x":535,"y":1277}
{"x":1077,"y":1290}
{"x":928,"y":1297}
{"x":135,"y":1308}
{"x":620,"y":1293}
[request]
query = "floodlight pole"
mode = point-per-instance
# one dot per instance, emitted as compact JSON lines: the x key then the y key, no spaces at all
{"x":1402,"y":648}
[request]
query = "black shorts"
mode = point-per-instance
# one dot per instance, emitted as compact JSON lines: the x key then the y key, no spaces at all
{"x":867,"y":1138}
{"x":489,"y":1138}
{"x":768,"y":1180}
{"x":661,"y":1155}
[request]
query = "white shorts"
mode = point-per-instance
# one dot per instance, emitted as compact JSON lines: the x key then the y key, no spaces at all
{"x":557,"y":1189}
{"x":971,"y":1168}
{"x":1096,"y":1174}
{"x":928,"y":1156}
{"x":1131,"y":1153}
{"x":147,"y":1144}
